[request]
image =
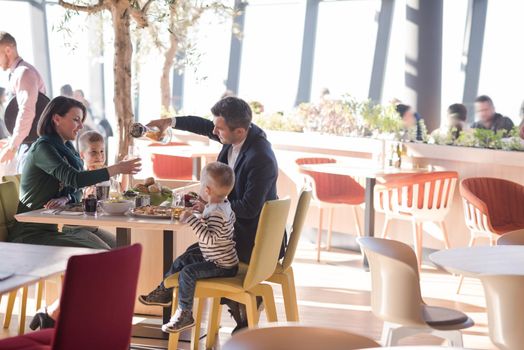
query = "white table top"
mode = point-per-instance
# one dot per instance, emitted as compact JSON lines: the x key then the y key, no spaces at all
{"x":474,"y":261}
{"x":415,"y":347}
{"x":121,"y":221}
{"x":30,"y":262}
{"x":360,"y":169}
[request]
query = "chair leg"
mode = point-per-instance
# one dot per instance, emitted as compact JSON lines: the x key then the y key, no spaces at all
{"x":445,"y":234}
{"x":417,"y":241}
{"x":23,"y":307}
{"x":9,"y":310}
{"x":455,"y":339}
{"x":214,"y":323}
{"x":39,"y":294}
{"x":251,"y":310}
{"x":330,"y":228}
{"x":290,"y":296}
{"x":172,"y":344}
{"x":357,"y":221}
{"x":198,"y":310}
{"x":386,"y":227}
{"x":269,"y":302}
{"x":319,"y":234}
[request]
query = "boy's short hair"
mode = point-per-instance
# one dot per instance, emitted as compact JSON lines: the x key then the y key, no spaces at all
{"x":219,"y":176}
{"x":89,"y":137}
{"x":458,"y":111}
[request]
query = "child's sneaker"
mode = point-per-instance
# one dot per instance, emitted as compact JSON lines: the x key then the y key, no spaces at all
{"x":161,"y":296}
{"x":181,"y":320}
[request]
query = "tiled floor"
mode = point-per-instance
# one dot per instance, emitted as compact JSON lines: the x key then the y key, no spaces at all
{"x":335,"y":293}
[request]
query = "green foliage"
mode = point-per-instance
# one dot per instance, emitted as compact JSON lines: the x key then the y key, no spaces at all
{"x":278,"y":121}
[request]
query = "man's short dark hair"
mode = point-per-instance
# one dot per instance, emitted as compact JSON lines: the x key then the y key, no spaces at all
{"x":458,"y":111}
{"x":402,"y":109}
{"x":7,"y":39}
{"x":484,"y":98}
{"x":235,"y":111}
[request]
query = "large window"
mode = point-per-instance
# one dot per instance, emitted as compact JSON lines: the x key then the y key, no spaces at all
{"x":502,"y":69}
{"x":345,"y":46}
{"x":271,"y":52}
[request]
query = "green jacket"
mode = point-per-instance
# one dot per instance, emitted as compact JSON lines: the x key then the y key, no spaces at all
{"x":44,"y":175}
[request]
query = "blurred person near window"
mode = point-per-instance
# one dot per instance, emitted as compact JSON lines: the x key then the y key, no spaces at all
{"x":487,"y":118}
{"x":410,"y":119}
{"x":25,"y":83}
{"x":66,"y":90}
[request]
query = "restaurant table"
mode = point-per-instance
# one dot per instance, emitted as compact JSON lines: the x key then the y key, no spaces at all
{"x":195,"y":152}
{"x":416,"y":347}
{"x":123,"y":225}
{"x":475,"y":261}
{"x":30,"y":263}
{"x":371,"y":174}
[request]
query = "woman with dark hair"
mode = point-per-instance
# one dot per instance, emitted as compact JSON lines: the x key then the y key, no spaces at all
{"x":53,"y":177}
{"x":410,"y":119}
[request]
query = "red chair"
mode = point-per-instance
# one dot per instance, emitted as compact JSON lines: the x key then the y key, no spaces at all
{"x":171,"y":167}
{"x":96,"y":305}
{"x":329,"y":192}
{"x":492,"y":207}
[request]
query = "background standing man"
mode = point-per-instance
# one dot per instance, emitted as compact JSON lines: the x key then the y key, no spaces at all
{"x":24,"y":83}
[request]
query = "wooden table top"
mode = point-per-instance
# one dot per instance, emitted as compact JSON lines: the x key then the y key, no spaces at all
{"x":474,"y":261}
{"x":30,"y":262}
{"x":360,"y":169}
{"x":121,"y":221}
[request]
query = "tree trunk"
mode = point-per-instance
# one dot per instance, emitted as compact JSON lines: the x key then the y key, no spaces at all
{"x":122,"y":74}
{"x":169,"y":60}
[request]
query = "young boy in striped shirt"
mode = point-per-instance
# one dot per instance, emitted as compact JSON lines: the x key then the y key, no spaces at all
{"x":213,"y":228}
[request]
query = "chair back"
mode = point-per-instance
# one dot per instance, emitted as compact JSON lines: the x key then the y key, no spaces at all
{"x":491,"y":203}
{"x":297,"y":337}
{"x":296,"y":229}
{"x":420,"y":194}
{"x":8,"y":208}
{"x":395,"y":284}
{"x":326,"y":186}
{"x":98,"y":298}
{"x":268,"y":241}
{"x":505,"y":310}
{"x":512,"y":238}
{"x":13,"y":178}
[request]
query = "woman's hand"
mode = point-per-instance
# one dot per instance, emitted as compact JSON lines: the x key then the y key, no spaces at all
{"x":131,"y":166}
{"x":185,"y":215}
{"x":161,"y":124}
{"x":56,"y":203}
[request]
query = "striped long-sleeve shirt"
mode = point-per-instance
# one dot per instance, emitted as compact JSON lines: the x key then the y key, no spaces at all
{"x":214,"y":230}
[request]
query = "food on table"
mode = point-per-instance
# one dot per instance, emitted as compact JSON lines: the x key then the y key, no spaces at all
{"x":190,"y":198}
{"x":156,"y":210}
{"x":149,"y":181}
{"x":154,"y":188}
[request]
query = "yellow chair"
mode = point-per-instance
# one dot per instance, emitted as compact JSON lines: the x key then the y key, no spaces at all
{"x":15,"y":179}
{"x":296,"y":336}
{"x":8,"y":208}
{"x":283,"y":274}
{"x":512,"y":238}
{"x":505,"y":310}
{"x":247,"y":285}
{"x":396,"y":297}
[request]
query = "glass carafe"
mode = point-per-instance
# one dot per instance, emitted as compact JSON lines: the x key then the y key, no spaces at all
{"x":143,"y":132}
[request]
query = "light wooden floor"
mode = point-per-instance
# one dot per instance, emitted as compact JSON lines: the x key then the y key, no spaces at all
{"x":335,"y":293}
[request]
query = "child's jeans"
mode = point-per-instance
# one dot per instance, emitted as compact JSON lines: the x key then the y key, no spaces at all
{"x":192,"y":267}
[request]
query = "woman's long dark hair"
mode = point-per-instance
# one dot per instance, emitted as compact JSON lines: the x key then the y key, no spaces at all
{"x":59,"y":105}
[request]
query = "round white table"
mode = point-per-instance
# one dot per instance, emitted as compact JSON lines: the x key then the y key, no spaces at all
{"x":474,"y":261}
{"x":416,"y":347}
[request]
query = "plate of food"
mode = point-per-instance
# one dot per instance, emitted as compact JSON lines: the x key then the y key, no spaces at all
{"x":152,"y":211}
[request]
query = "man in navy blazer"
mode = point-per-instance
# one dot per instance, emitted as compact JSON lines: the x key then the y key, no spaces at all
{"x":245,"y":149}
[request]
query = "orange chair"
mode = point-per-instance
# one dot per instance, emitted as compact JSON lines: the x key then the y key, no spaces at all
{"x":171,"y":167}
{"x":419,"y":198}
{"x":329,"y":192}
{"x":492,"y":207}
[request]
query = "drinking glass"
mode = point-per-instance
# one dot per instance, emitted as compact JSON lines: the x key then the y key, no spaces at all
{"x":178,"y":205}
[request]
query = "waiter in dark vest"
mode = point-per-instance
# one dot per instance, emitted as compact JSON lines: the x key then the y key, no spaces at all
{"x":25,"y":84}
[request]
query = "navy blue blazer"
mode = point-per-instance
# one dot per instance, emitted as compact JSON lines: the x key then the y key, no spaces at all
{"x":256,"y":173}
